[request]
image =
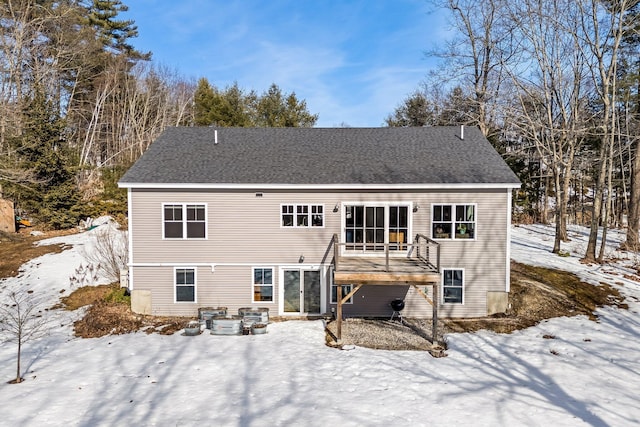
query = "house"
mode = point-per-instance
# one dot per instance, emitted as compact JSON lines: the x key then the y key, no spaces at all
{"x":296,"y":219}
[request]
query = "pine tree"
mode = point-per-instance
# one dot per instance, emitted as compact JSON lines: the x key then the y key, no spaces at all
{"x":415,"y":111}
{"x":114,"y":33}
{"x":203,"y":100}
{"x":41,"y":148}
{"x":275,"y":109}
{"x":232,"y":107}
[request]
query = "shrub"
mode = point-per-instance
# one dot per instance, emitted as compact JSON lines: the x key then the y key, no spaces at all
{"x":118,"y":295}
{"x":109,"y":253}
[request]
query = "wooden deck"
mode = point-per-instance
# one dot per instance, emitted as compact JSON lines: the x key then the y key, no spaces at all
{"x":418,"y":265}
{"x":373,"y":271}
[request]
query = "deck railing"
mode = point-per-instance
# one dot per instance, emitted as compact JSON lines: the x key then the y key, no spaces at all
{"x":422,"y":249}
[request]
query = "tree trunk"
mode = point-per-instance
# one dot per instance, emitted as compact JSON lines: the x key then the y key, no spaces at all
{"x":545,"y":201}
{"x":633,"y":218}
{"x":559,"y":211}
{"x":607,"y":206}
{"x":18,"y":378}
{"x":590,"y":253}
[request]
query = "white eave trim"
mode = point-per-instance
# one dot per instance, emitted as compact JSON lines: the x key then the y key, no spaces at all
{"x":435,"y":186}
{"x":213,"y":265}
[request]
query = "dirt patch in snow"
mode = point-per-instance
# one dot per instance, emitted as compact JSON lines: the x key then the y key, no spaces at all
{"x":109,"y":318}
{"x":18,"y":248}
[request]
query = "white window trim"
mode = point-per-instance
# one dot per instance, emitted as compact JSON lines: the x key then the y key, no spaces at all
{"x":195,"y":285}
{"x":184,"y":220}
{"x":464,"y":285}
{"x":326,"y":276}
{"x":453,"y":221}
{"x":386,"y":205}
{"x":273,"y":289}
{"x":309,"y":215}
{"x":333,"y":285}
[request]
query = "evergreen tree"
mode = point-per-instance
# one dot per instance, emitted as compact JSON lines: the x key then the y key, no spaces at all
{"x":415,"y":111}
{"x":41,"y":148}
{"x":232,"y":107}
{"x":203,"y":100}
{"x":114,"y":33}
{"x":273,"y":109}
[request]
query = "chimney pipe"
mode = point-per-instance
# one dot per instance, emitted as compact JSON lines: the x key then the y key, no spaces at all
{"x":461,"y":131}
{"x":215,"y":137}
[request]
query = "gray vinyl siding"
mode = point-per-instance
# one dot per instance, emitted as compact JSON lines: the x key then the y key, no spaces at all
{"x":245,"y":230}
{"x":228,"y":286}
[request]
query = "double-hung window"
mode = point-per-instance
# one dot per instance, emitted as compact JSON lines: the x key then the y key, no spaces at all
{"x":185,"y":284}
{"x":184,"y":221}
{"x":453,"y":221}
{"x":452,"y":286}
{"x":302,"y":215}
{"x":262,"y":284}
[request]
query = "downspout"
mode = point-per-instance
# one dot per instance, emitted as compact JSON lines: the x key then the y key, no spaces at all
{"x":130,"y":237}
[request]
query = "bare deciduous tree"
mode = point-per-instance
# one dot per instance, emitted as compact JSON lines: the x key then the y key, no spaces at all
{"x":550,"y":93}
{"x":21,"y":321}
{"x":603,"y":26}
{"x":477,"y":55}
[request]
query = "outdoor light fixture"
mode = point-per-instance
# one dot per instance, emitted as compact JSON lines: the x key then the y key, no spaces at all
{"x":336,"y":208}
{"x":301,"y":259}
{"x":416,"y":207}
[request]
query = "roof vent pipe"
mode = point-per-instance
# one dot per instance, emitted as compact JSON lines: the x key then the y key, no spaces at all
{"x":461,"y":131}
{"x":215,"y":137}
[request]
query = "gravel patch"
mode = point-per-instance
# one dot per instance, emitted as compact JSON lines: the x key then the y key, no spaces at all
{"x":411,"y":334}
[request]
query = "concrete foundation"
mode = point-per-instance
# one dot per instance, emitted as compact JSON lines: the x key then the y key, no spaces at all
{"x":497,"y":302}
{"x":141,"y":301}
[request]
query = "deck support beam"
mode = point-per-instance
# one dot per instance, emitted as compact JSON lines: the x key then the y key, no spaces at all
{"x":434,"y":305}
{"x":339,"y":315}
{"x":342,"y":300}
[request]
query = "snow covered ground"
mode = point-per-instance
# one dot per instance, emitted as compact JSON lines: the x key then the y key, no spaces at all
{"x":588,"y":375}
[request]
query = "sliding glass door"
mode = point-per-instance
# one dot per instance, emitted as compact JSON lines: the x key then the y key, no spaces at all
{"x":301,"y":291}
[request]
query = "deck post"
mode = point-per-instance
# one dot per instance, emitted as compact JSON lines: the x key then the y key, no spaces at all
{"x":335,"y":251}
{"x":434,"y":319}
{"x":339,"y":314}
{"x":387,"y":256}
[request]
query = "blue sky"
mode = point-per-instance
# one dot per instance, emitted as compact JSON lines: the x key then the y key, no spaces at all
{"x":352,"y":61}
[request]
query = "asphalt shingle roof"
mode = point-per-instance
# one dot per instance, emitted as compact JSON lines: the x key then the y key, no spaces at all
{"x":320,"y":156}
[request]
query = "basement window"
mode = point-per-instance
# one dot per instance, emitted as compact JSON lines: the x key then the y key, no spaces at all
{"x":452,"y":286}
{"x":185,"y":284}
{"x":262,"y":284}
{"x":345,"y":291}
